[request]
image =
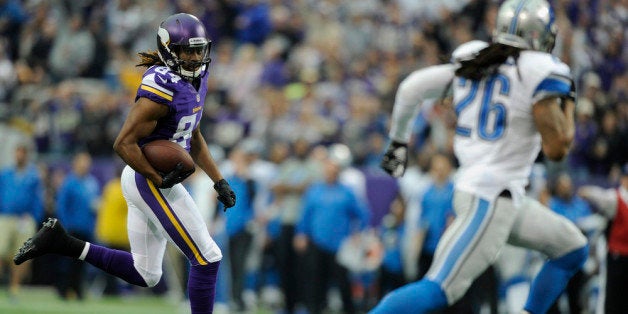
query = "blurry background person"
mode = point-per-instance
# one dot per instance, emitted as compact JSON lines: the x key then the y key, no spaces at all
{"x":21,"y":208}
{"x":613,"y":204}
{"x":111,"y":225}
{"x":295,"y":175}
{"x":330,"y":211}
{"x":436,"y":215}
{"x":565,"y":202}
{"x":238,"y":225}
{"x":74,"y":45}
{"x":436,"y":209}
{"x":77,"y":202}
{"x":210,"y":209}
{"x":390,"y":274}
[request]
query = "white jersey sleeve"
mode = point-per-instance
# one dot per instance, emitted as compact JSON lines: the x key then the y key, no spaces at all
{"x":548,"y":76}
{"x":421,"y":85}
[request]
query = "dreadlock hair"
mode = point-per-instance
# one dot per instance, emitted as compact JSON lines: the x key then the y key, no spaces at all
{"x":149,"y":58}
{"x":486,"y":61}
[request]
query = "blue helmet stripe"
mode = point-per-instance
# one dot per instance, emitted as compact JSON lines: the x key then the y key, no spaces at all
{"x":513,"y":24}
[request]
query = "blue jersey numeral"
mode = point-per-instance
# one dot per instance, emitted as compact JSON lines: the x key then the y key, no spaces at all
{"x":486,"y":130}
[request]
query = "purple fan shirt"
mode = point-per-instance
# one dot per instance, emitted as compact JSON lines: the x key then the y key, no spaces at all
{"x":185,"y":104}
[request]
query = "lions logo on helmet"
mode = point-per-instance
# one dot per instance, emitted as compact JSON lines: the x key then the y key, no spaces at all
{"x":183,"y":31}
{"x":526,"y":24}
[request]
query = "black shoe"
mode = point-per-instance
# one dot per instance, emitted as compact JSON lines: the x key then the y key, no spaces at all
{"x":51,"y":238}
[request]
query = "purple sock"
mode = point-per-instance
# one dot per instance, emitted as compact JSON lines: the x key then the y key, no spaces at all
{"x":202,"y":287}
{"x":116,"y":262}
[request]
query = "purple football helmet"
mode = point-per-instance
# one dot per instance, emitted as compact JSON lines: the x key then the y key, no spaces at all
{"x":183,"y":32}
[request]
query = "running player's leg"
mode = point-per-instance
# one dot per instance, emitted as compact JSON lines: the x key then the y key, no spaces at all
{"x":466,"y":249}
{"x":538,"y":228}
{"x":175,"y":214}
{"x":52,"y":238}
{"x":143,"y":265}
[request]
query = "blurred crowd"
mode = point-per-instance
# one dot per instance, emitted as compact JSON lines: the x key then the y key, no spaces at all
{"x":288,"y":81}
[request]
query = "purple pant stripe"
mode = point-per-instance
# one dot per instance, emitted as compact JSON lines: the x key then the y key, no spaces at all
{"x":169,"y":220}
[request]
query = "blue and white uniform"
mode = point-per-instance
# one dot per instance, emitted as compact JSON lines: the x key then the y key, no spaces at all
{"x":496,"y":143}
{"x":158,"y":215}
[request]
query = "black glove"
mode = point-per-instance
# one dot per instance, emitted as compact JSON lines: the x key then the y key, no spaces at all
{"x":175,"y":176}
{"x":395,"y":159}
{"x":225,"y":193}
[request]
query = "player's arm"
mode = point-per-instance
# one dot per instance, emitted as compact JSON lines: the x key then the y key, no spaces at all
{"x":202,"y":157}
{"x":604,"y":200}
{"x":425,"y":84}
{"x":140,"y":122}
{"x":556,"y":125}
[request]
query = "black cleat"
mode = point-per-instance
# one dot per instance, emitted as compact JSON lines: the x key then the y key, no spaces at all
{"x":51,"y":238}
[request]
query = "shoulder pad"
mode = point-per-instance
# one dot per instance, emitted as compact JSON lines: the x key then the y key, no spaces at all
{"x":550,"y":76}
{"x":467,"y":50}
{"x":158,"y":84}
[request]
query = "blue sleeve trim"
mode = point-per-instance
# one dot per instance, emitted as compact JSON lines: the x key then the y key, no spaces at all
{"x":553,"y":85}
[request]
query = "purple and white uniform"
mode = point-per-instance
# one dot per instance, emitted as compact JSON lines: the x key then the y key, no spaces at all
{"x":185,"y":104}
{"x":157,"y":215}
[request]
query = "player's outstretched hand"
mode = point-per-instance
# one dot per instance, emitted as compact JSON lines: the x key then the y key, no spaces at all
{"x":225,"y":194}
{"x":395,"y":159}
{"x":175,"y":176}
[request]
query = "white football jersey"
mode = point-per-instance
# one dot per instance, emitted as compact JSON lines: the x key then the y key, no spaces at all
{"x":496,"y":140}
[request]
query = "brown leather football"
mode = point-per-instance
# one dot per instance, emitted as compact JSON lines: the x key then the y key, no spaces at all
{"x":164,"y":155}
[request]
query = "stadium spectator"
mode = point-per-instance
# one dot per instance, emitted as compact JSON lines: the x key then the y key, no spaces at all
{"x":239,"y":224}
{"x":330,"y":209}
{"x":78,"y":200}
{"x":110,"y":226}
{"x":613,"y":204}
{"x":295,"y":175}
{"x":586,"y":132}
{"x":436,"y":215}
{"x":606,"y":146}
{"x":74,"y":45}
{"x":437,"y":209}
{"x":566,"y":202}
{"x":253,"y":22}
{"x":12,"y":19}
{"x":390,"y":274}
{"x":8,"y":78}
{"x":412,"y":186}
{"x":21,"y":208}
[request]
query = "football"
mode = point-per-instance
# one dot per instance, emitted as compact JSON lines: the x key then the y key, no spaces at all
{"x":164,"y":155}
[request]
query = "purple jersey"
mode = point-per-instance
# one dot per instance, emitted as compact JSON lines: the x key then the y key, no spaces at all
{"x":185,"y":104}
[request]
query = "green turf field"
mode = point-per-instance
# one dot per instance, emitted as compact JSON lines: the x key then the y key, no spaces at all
{"x":45,"y":301}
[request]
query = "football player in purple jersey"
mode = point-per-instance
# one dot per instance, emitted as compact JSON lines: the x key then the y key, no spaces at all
{"x":169,"y":105}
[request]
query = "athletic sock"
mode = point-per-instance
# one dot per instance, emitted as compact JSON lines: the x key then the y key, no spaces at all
{"x":202,"y":287}
{"x":552,"y":280}
{"x":115,"y":262}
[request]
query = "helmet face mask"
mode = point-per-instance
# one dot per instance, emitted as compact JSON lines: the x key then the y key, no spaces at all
{"x":181,"y":38}
{"x":526,"y":24}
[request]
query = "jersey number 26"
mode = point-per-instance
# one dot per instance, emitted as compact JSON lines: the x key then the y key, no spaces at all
{"x":491,"y":120}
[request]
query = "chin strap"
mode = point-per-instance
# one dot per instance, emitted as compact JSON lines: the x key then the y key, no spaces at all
{"x":192,"y":74}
